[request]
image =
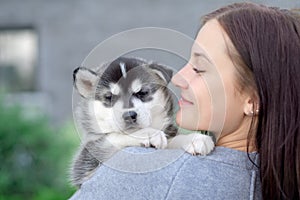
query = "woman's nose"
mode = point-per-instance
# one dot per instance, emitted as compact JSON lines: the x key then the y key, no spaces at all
{"x":180,"y":79}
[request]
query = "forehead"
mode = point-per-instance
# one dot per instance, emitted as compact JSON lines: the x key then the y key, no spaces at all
{"x":212,"y":40}
{"x":124,"y":72}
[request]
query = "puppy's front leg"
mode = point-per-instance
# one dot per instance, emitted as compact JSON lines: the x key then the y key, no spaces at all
{"x":193,"y":143}
{"x":143,"y":137}
{"x":156,"y":138}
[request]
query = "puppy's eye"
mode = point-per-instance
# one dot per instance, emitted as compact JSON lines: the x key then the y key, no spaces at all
{"x":108,"y":96}
{"x":142,"y":93}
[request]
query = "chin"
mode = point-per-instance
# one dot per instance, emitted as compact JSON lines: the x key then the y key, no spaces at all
{"x":185,"y":121}
{"x":180,"y":122}
{"x":179,"y":119}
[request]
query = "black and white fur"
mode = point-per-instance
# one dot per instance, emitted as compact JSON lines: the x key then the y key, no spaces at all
{"x":124,"y":103}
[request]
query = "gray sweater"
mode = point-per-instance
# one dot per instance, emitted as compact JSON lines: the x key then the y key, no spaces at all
{"x":141,"y":173}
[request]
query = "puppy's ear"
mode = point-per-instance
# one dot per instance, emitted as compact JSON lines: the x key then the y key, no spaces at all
{"x":162,"y":71}
{"x":85,"y":81}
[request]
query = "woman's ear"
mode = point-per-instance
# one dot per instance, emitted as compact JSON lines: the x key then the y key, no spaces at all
{"x":85,"y":81}
{"x":251,"y":105}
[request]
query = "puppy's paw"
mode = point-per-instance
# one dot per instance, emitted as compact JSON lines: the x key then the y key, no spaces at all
{"x":150,"y":137}
{"x":158,"y":139}
{"x":200,"y":144}
{"x":145,"y":143}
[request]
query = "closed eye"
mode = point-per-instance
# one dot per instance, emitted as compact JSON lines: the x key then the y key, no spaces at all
{"x":198,"y":71}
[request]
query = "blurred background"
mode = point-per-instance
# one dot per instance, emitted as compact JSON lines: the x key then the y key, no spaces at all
{"x":41,"y":43}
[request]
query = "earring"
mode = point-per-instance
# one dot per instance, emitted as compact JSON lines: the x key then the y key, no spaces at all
{"x":251,"y":113}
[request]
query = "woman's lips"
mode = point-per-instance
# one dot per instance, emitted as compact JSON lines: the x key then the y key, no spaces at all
{"x":183,"y":102}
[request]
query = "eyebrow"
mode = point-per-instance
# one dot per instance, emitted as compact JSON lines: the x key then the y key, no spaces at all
{"x":198,"y":54}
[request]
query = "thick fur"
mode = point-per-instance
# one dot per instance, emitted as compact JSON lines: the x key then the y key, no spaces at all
{"x":126,"y":103}
{"x":101,"y":117}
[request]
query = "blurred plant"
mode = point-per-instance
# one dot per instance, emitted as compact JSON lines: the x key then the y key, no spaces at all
{"x":34,"y":156}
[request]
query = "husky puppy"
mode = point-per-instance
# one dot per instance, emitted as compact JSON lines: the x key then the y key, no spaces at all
{"x":123,"y":103}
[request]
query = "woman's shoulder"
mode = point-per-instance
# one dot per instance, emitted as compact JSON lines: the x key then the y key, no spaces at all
{"x":171,"y":174}
{"x":141,"y":160}
{"x":224,"y":174}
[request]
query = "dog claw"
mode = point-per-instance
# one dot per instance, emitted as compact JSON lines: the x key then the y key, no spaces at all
{"x":201,"y":144}
{"x":159,"y":140}
{"x":146,"y":143}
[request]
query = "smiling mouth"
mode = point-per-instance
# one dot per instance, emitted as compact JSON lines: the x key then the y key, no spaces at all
{"x":182,"y":102}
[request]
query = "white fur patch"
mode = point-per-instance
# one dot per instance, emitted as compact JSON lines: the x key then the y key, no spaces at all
{"x":123,"y":69}
{"x":144,"y":114}
{"x":136,"y":85}
{"x":104,"y":117}
{"x":157,"y":111}
{"x":115,"y":88}
{"x":108,"y":119}
{"x":152,"y":113}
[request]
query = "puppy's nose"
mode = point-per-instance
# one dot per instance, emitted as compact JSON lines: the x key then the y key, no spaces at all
{"x":129,"y":117}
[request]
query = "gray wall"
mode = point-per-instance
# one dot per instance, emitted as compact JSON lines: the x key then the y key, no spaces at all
{"x":69,"y":30}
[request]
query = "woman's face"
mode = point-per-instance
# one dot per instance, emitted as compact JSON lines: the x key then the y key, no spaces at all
{"x":209,"y":100}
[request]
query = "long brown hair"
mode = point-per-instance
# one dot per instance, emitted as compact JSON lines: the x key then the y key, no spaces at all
{"x":267,"y":41}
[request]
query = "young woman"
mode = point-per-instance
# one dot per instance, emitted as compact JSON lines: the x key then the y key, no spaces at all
{"x":264,"y":46}
{"x":255,"y":50}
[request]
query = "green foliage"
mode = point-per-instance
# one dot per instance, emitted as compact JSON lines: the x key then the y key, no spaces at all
{"x":34,"y":156}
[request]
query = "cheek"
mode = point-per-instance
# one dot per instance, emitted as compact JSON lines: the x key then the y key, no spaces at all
{"x":143,"y":112}
{"x":104,"y":117}
{"x":234,"y":111}
{"x":197,"y":116}
{"x":203,"y":109}
{"x":159,"y":108}
{"x":233,"y":120}
{"x":193,"y":118}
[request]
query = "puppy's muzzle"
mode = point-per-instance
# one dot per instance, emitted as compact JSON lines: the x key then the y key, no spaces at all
{"x":130,"y":117}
